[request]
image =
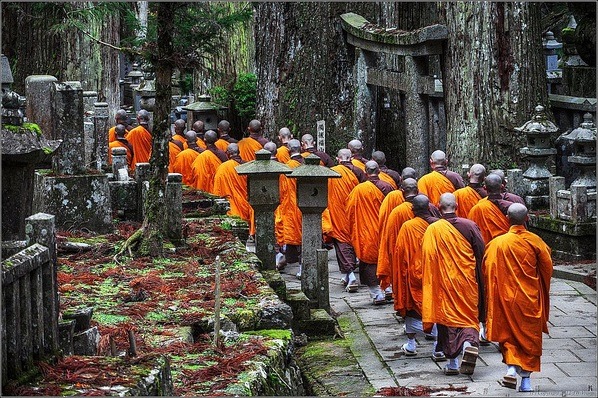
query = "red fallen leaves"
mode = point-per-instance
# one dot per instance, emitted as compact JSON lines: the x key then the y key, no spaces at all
{"x":417,"y":391}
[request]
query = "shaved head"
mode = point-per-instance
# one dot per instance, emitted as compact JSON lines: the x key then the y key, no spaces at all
{"x":270,"y":146}
{"x":255,"y":126}
{"x":224,"y":126}
{"x":191,"y":136}
{"x":121,"y":116}
{"x":517,"y":214}
{"x":198,"y":127}
{"x":344,"y":155}
{"x":372,"y":168}
{"x":501,"y":174}
{"x":355,"y":146}
{"x":307,"y":139}
{"x":438,"y":157}
{"x":448,"y":203}
{"x":409,"y":187}
{"x":420,"y":203}
{"x":379,"y":157}
{"x":409,"y":172}
{"x":477,"y":173}
{"x":211,"y":136}
{"x":294,"y":146}
{"x":493,"y":183}
{"x":232,"y":149}
{"x":143,"y":116}
{"x":285,"y":134}
{"x":179,"y":125}
{"x":120,"y":130}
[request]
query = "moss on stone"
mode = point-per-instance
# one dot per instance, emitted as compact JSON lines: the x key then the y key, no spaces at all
{"x":25,"y":128}
{"x":280,"y":334}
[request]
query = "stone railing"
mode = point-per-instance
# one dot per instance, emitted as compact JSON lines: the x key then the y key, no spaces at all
{"x":30,"y":300}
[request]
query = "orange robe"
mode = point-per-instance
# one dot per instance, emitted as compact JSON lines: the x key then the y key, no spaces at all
{"x":282,"y":154}
{"x":204,"y":167}
{"x":118,"y":144}
{"x":433,"y":185}
{"x":141,"y":139}
{"x":407,"y":267}
{"x":466,"y":198}
{"x":200,"y":143}
{"x":248,"y":147}
{"x":358,"y":163}
{"x":450,"y":290}
{"x":388,"y":239}
{"x":290,"y":215}
{"x":392,"y":200}
{"x":490,"y":219}
{"x":363,"y":205}
{"x":338,"y":191}
{"x":183,"y":165}
{"x":232,"y":186}
{"x":385,"y":177}
{"x":112,"y":134}
{"x":173,"y":151}
{"x":221,"y":144}
{"x":517,"y":271}
{"x":180,"y":139}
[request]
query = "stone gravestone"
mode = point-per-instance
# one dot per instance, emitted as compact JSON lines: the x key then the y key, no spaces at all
{"x":39,"y":102}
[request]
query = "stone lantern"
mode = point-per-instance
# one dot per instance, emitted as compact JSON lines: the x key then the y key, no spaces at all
{"x":538,"y":133}
{"x":550,"y":45}
{"x":264,"y":196}
{"x":11,"y":101}
{"x":584,"y":152}
{"x":312,"y":199}
{"x":131,"y":83}
{"x":205,"y":110}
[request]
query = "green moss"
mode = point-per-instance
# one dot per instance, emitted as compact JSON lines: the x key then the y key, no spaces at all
{"x":25,"y":128}
{"x":92,"y":240}
{"x":110,"y":319}
{"x":280,"y":334}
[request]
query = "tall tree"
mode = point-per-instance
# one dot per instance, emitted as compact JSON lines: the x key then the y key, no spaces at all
{"x":493,"y":77}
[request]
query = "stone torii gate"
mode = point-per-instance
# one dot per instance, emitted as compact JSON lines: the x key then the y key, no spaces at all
{"x":422,"y":97}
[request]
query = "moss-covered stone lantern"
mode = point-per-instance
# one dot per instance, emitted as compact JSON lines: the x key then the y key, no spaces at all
{"x":538,"y":132}
{"x":584,"y":152}
{"x":264,"y":196}
{"x":205,"y":110}
{"x":312,"y":199}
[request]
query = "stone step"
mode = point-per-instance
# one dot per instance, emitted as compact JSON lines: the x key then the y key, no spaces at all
{"x":320,"y":324}
{"x":299,"y":303}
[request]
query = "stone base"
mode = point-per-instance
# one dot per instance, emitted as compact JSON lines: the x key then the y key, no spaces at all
{"x":568,"y":241}
{"x":299,"y":304}
{"x":276,"y":282}
{"x":319,"y":325}
{"x":124,"y":200}
{"x":537,"y":202}
{"x":77,"y":201}
{"x":86,"y":342}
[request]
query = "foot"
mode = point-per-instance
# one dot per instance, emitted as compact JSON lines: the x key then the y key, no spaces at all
{"x":450,"y":371}
{"x":407,"y":351}
{"x":344,"y":282}
{"x":526,"y":385}
{"x":470,"y":356}
{"x":438,"y":356}
{"x":352,"y":287}
{"x":380,"y":300}
{"x":430,"y":337}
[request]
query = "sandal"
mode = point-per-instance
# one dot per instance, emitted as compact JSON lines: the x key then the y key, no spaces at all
{"x":408,"y":352}
{"x":450,"y":371}
{"x":470,"y":356}
{"x":508,"y":382}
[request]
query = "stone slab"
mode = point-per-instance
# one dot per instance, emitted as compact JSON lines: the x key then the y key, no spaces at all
{"x":578,"y":369}
{"x":568,"y":331}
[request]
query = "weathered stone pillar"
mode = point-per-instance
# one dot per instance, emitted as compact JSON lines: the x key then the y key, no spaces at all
{"x":120,"y":167}
{"x":174,"y":208}
{"x":67,"y":117}
{"x":323,"y":286}
{"x":89,"y":98}
{"x":556,"y":184}
{"x":38,"y":90}
{"x":264,"y":196}
{"x":100,"y":122}
{"x":40,"y":229}
{"x":515,"y":182}
{"x":11,"y":301}
{"x":142,"y":176}
{"x":312,"y":199}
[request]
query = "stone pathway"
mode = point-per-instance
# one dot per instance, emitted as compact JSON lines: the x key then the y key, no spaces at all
{"x":568,"y":361}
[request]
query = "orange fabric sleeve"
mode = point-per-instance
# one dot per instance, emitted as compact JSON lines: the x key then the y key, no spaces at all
{"x":205,"y":166}
{"x":433,"y":185}
{"x":247,"y":148}
{"x":230,"y":185}
{"x":338,"y":191}
{"x":182,"y":165}
{"x":141,"y":140}
{"x":388,"y":238}
{"x":466,"y":198}
{"x":490,"y":219}
{"x":282,"y":154}
{"x":363,"y":205}
{"x":386,"y":178}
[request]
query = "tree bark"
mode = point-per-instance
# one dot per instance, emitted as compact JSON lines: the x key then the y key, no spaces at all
{"x":305,"y":69}
{"x":109,"y":88}
{"x":155,"y":214}
{"x":493,"y":79}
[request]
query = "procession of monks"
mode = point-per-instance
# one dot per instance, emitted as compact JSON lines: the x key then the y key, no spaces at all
{"x":454,"y":258}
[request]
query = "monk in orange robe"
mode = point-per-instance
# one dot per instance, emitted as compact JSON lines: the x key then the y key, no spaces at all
{"x":121,"y":117}
{"x":356,"y":148}
{"x":363,"y":206}
{"x":453,"y":291}
{"x":335,"y":222}
{"x":440,"y":179}
{"x":121,"y":141}
{"x":470,"y":195}
{"x":229,"y":184}
{"x":290,"y":214}
{"x":224,"y":131}
{"x":407,"y":286}
{"x":205,"y":165}
{"x":490,"y":213}
{"x":199,"y":128}
{"x":184,"y":160}
{"x":518,"y":268}
{"x":391,"y":176}
{"x":309,"y":146}
{"x":173,"y":151}
{"x":248,"y":146}
{"x":179,"y":134}
{"x":141,"y":139}
{"x":394,"y":198}
{"x":282,"y":153}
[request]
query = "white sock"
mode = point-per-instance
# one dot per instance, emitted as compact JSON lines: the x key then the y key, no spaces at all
{"x":411,"y":344}
{"x":524,"y":373}
{"x":279,"y":257}
{"x":465,"y":345}
{"x":413,"y":325}
{"x":351,"y":276}
{"x":453,"y":363}
{"x":388,"y":290}
{"x":434,"y":331}
{"x":511,"y":370}
{"x":375,"y":291}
